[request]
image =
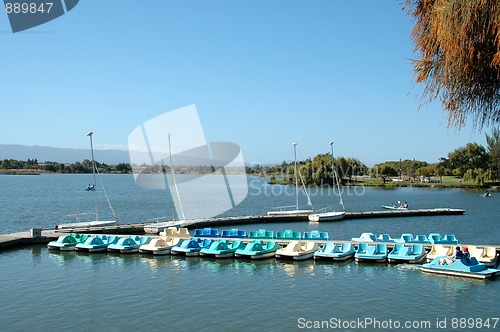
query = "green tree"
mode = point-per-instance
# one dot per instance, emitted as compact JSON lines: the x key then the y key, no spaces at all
{"x":494,"y":152}
{"x":471,"y":156}
{"x":458,"y":45}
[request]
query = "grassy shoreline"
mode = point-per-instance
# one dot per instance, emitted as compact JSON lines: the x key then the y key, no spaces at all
{"x":446,"y":182}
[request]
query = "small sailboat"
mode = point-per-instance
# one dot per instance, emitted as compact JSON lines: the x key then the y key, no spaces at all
{"x":160,"y":225}
{"x":296,"y":212}
{"x":97,"y":222}
{"x":332,"y":215}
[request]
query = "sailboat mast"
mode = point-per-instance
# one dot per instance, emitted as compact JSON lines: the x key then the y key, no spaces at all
{"x":173,"y":177}
{"x":335,"y":178}
{"x":90,"y":133}
{"x":296,"y":176}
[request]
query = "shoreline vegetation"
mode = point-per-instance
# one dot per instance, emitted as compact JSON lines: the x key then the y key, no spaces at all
{"x":277,"y":175}
{"x":470,"y":166}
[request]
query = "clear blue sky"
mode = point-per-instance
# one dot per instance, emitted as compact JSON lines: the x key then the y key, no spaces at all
{"x":262,"y":74}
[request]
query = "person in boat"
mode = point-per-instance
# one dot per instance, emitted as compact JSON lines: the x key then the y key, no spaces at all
{"x":465,"y":252}
{"x":448,"y":260}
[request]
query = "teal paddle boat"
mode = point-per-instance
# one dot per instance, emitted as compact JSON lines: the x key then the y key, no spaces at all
{"x":316,"y":235}
{"x":222,"y":249}
{"x":67,"y":242}
{"x":465,"y":267}
{"x":402,"y":253}
{"x":337,"y":252}
{"x":258,"y":250}
{"x":128,"y":245}
{"x":191,"y":247}
{"x":97,"y":243}
{"x":371,"y":252}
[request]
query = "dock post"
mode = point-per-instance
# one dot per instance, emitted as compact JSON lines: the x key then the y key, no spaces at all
{"x":35,"y":232}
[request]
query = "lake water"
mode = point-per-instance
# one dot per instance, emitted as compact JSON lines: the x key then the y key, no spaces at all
{"x":43,"y":290}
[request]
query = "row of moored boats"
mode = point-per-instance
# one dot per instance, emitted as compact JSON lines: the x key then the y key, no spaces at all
{"x":261,"y":244}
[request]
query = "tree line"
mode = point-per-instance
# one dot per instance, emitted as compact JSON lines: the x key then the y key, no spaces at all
{"x":70,"y":168}
{"x":471,"y":163}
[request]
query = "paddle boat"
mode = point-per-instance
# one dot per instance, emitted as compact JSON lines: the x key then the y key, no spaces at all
{"x":258,"y":250}
{"x":435,"y":238}
{"x":298,"y":250}
{"x":403,"y":206}
{"x":97,"y":243}
{"x":160,"y":246}
{"x":287,"y":235}
{"x":234,"y":233}
{"x":409,"y":238}
{"x":191,"y":247}
{"x":222,"y":248}
{"x":439,"y":250}
{"x":337,"y":252}
{"x":371,"y":252}
{"x":261,"y":234}
{"x":316,"y":236}
{"x":181,"y":232}
{"x":484,"y":254}
{"x":128,"y":245}
{"x":206,"y":232}
{"x":365,"y":237}
{"x":465,"y":267}
{"x":385,"y":238}
{"x":402,"y":253}
{"x":67,"y":242}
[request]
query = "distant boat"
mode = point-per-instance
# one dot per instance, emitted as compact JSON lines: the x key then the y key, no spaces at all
{"x":97,"y":222}
{"x":332,"y":215}
{"x":395,"y":207}
{"x":160,"y":226}
{"x":296,"y":212}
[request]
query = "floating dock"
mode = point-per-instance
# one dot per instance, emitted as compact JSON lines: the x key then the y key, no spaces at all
{"x":38,"y":236}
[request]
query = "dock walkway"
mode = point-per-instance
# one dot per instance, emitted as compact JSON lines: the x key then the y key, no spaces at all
{"x":45,"y":236}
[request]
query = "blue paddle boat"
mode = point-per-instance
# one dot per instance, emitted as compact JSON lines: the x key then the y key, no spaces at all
{"x":337,"y":252}
{"x":258,"y":250}
{"x":191,"y":247}
{"x":128,"y":245}
{"x":371,"y":252}
{"x":402,"y":253}
{"x":234,"y":233}
{"x":435,"y":238}
{"x":366,"y":237}
{"x":316,"y":236}
{"x":465,"y":267}
{"x":206,"y":232}
{"x":97,"y":243}
{"x":222,"y":249}
{"x":67,"y":242}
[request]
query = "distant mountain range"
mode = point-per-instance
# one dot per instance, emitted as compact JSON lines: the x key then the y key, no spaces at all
{"x":61,"y":155}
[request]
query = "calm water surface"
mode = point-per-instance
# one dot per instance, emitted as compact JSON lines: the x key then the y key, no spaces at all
{"x":43,"y":291}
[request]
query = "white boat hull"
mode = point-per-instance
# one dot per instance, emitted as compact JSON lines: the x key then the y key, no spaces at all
{"x":290,"y":213}
{"x":327,"y":216}
{"x":86,"y":224}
